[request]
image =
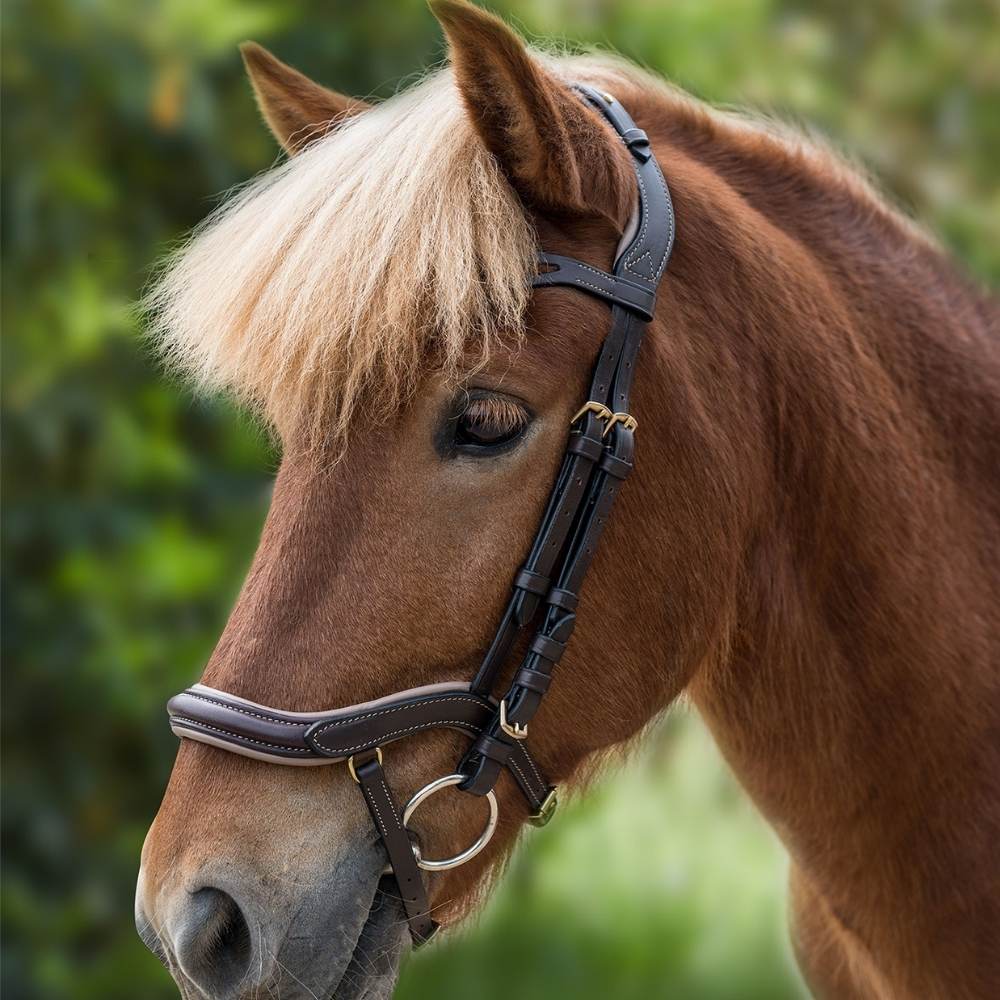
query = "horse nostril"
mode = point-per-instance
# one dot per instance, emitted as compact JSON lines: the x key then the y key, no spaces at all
{"x":212,"y":943}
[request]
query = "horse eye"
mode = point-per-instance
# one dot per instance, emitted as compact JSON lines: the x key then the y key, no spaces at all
{"x":489,"y":422}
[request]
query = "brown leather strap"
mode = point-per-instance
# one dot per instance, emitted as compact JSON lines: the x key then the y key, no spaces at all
{"x":310,"y":738}
{"x":386,"y":817}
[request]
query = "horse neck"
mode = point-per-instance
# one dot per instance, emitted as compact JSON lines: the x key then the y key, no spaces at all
{"x":838,"y":378}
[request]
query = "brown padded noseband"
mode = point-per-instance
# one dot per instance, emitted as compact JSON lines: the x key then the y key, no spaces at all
{"x":545,"y":591}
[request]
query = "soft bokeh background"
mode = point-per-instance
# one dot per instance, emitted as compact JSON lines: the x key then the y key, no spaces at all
{"x":131,"y":510}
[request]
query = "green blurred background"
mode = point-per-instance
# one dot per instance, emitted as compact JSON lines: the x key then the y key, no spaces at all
{"x":131,"y":510}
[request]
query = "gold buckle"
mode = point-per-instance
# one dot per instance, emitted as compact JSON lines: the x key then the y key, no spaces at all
{"x":591,"y":406}
{"x":515,"y":731}
{"x":350,"y":764}
{"x":625,"y":419}
{"x":546,"y":810}
{"x":609,"y":418}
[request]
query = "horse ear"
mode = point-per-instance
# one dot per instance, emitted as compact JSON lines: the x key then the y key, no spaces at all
{"x":556,"y":151}
{"x":296,"y":110}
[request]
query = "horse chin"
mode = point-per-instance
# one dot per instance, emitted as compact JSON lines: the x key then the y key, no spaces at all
{"x":373,"y":970}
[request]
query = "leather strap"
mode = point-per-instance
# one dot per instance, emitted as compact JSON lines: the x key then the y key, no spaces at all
{"x":316,"y":738}
{"x":386,"y":817}
{"x":610,"y":287}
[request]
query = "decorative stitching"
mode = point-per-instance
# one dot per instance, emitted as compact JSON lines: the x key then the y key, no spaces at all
{"x":639,"y":243}
{"x":534,"y":767}
{"x":233,"y":708}
{"x":333,"y":723}
{"x":370,"y":796}
{"x":238,"y":736}
{"x":388,"y":798}
{"x":635,"y":263}
{"x":463,"y":723}
{"x":526,"y":783}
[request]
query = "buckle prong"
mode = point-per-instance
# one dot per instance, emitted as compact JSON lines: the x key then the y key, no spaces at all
{"x":625,"y":419}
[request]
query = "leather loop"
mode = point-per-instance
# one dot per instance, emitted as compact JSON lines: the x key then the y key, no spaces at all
{"x":591,"y":448}
{"x":564,"y":599}
{"x":547,"y":648}
{"x":533,"y":680}
{"x":638,"y":143}
{"x":613,"y":466}
{"x":534,"y":583}
{"x":496,"y":748}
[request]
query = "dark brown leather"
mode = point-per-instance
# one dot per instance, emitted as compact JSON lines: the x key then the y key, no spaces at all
{"x":386,"y":816}
{"x":326,"y":737}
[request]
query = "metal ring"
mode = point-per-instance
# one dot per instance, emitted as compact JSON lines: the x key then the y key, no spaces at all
{"x":470,"y":852}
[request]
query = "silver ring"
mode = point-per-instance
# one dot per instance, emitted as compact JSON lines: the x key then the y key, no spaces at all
{"x":470,"y":852}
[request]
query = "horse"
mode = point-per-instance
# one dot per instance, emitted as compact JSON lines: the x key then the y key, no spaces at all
{"x":808,"y":549}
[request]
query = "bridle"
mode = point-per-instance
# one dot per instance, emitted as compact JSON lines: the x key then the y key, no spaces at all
{"x":597,"y":460}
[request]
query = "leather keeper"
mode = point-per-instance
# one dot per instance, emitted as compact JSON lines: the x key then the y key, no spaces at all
{"x":484,"y":776}
{"x":533,"y":680}
{"x":495,"y":748}
{"x":580,"y":444}
{"x":564,"y":599}
{"x":547,"y":648}
{"x":618,"y":468}
{"x":534,"y":583}
{"x":638,"y":143}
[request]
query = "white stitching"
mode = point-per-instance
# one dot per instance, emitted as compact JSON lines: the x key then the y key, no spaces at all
{"x":534,"y":768}
{"x":527,"y":784}
{"x":233,"y":708}
{"x":641,"y":239}
{"x":631,"y":265}
{"x":463,"y":723}
{"x":399,"y":708}
{"x":388,"y":795}
{"x":378,"y":815}
{"x":237,"y":736}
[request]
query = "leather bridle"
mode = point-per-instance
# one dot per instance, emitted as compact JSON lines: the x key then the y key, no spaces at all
{"x":597,"y":460}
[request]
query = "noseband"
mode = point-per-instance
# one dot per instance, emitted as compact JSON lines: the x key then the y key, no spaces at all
{"x":597,"y":460}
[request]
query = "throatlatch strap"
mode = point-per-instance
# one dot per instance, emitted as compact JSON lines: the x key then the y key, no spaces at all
{"x":386,"y":816}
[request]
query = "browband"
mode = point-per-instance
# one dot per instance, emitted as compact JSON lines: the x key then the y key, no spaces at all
{"x":544,"y":595}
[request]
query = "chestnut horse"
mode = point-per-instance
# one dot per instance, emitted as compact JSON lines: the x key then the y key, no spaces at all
{"x":809,"y":547}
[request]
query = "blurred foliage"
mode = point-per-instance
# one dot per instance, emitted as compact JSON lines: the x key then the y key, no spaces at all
{"x":131,"y":510}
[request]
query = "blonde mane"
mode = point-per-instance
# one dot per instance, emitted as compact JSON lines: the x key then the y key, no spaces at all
{"x":390,"y":248}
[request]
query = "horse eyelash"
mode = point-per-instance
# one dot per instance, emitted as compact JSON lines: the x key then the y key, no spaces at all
{"x":496,"y":411}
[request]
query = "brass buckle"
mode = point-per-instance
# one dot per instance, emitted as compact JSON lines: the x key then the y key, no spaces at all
{"x":350,"y":764}
{"x":591,"y":406}
{"x":515,"y":731}
{"x":609,"y":418}
{"x":546,"y":810}
{"x":625,"y":419}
